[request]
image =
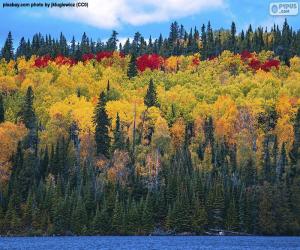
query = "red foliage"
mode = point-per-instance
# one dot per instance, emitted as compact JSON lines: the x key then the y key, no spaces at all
{"x":62,"y":60}
{"x":269,"y":64}
{"x":152,"y":62}
{"x":246,"y":55}
{"x":196,"y":61}
{"x":41,"y":62}
{"x":88,"y":57}
{"x":266,"y":66}
{"x":103,"y":54}
{"x":254,"y":64}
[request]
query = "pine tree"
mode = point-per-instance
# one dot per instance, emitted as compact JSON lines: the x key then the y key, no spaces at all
{"x":232,"y":216}
{"x":232,"y":41}
{"x":218,"y":207}
{"x":28,"y":114}
{"x":117,"y":218}
{"x":111,"y":44}
{"x":147,"y":217}
{"x":199,"y":220}
{"x":132,"y":69}
{"x":267,"y":223}
{"x":181,"y":214}
{"x":118,"y":135}
{"x":8,"y":50}
{"x":150,"y":99}
{"x":79,"y":218}
{"x":2,"y":116}
{"x":101,"y":222}
{"x":102,"y":123}
{"x":133,"y":219}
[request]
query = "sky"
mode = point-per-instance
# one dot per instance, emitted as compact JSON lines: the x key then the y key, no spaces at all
{"x":149,"y":17}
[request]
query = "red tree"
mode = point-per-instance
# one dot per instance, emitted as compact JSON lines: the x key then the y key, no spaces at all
{"x":152,"y":62}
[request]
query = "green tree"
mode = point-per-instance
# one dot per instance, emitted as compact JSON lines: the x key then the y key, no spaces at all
{"x":79,"y":218}
{"x":8,"y":50}
{"x":267,"y":222}
{"x":117,"y":218}
{"x":147,"y":217}
{"x":111,"y":44}
{"x":118,"y":135}
{"x":199,"y":220}
{"x":232,"y":221}
{"x":102,"y":123}
{"x":132,"y":70}
{"x":101,"y":222}
{"x":150,"y":99}
{"x":28,"y":114}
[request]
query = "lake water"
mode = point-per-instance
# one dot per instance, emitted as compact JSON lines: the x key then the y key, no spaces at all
{"x":141,"y":243}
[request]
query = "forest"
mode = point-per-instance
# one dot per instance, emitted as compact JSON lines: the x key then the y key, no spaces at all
{"x":195,"y":132}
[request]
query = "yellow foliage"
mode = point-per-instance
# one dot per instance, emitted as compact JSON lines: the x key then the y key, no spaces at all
{"x":10,"y":135}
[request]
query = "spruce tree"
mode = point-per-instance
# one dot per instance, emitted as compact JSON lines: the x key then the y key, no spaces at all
{"x":28,"y":114}
{"x":132,"y":69}
{"x":117,"y":218}
{"x":232,"y":216}
{"x":267,"y":224}
{"x":147,"y":217}
{"x":133,"y":219}
{"x":101,"y":222}
{"x":150,"y":99}
{"x":102,"y":123}
{"x":118,"y":135}
{"x":8,"y":50}
{"x":199,"y":220}
{"x":79,"y":218}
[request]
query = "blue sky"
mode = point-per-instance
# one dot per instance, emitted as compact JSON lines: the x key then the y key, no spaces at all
{"x":150,"y":17}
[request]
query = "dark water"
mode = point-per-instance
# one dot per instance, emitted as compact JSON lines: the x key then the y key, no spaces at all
{"x":141,"y":243}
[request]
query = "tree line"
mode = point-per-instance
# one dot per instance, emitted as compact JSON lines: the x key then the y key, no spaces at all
{"x":206,"y":41}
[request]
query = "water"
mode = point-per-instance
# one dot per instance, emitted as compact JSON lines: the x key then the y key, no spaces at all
{"x":141,"y":243}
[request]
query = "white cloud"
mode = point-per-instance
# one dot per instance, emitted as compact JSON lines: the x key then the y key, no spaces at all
{"x":113,"y":13}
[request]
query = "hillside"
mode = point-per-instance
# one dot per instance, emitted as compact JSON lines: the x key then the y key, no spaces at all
{"x":118,"y":143}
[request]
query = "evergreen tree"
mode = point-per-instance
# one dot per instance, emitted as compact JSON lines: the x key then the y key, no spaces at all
{"x":232,"y":41}
{"x":111,"y":44}
{"x":199,"y":219}
{"x":132,"y":70}
{"x":8,"y":50}
{"x":102,"y":123}
{"x":232,"y":221}
{"x":28,"y":114}
{"x":118,"y":135}
{"x":117,"y":218}
{"x":79,"y":218}
{"x":101,"y":222}
{"x":266,"y":214}
{"x":150,"y":99}
{"x":147,"y":217}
